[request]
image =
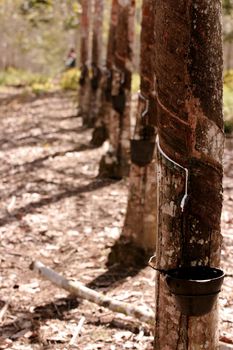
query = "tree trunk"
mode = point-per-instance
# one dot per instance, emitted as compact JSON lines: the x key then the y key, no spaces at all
{"x":189,"y":94}
{"x":101,"y":131}
{"x":119,"y":122}
{"x":141,"y":217}
{"x":84,"y":89}
{"x":95,"y":93}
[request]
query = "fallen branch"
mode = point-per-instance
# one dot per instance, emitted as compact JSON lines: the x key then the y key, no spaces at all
{"x":79,"y":290}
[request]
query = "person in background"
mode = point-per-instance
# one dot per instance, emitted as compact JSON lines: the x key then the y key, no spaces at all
{"x":71,"y":59}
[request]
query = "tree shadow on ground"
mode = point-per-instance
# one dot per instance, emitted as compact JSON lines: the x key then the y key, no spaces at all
{"x":124,"y":260}
{"x":7,"y":141}
{"x":70,"y":192}
{"x":58,"y":309}
{"x":133,"y":326}
{"x":25,"y":167}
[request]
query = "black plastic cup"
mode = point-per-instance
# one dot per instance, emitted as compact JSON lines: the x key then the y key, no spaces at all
{"x":141,"y":152}
{"x":195,"y":288}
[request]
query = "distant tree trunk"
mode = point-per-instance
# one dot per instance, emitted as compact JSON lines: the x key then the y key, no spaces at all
{"x":112,"y":34}
{"x":95,"y":93}
{"x":141,"y":217}
{"x":189,"y":86}
{"x":100,"y":132}
{"x":116,"y":163}
{"x":84,"y":89}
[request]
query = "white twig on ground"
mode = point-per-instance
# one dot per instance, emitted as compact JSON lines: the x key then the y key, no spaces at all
{"x":144,"y":314}
{"x":4,"y":310}
{"x":81,"y":291}
{"x":77,"y":331}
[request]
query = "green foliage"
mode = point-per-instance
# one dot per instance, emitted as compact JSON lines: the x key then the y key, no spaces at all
{"x":228,"y":101}
{"x":31,"y":82}
{"x":228,"y":126}
{"x":37,"y":34}
{"x":42,"y":11}
{"x":16,"y":77}
{"x":28,"y":5}
{"x":39,"y":88}
{"x":71,"y":23}
{"x":228,"y":20}
{"x":37,"y":11}
{"x":70,"y":79}
{"x":227,"y":6}
{"x":228,"y":79}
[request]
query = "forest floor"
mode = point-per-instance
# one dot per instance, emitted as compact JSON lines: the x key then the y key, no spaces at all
{"x":55,"y":209}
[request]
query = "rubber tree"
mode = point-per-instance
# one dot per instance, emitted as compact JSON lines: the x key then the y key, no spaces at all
{"x":188,"y":69}
{"x":101,"y":132}
{"x":141,"y":217}
{"x":115,"y":163}
{"x":84,"y":82}
{"x":96,"y":60}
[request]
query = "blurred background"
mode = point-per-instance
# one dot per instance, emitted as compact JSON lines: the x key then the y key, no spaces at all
{"x":36,"y":36}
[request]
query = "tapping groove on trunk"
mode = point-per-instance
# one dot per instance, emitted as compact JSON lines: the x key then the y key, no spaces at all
{"x":141,"y":217}
{"x":119,"y":115}
{"x":103,"y":124}
{"x":188,"y":69}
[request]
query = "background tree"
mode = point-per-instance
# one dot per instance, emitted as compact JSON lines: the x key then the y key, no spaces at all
{"x":39,"y":35}
{"x":85,"y":52}
{"x":101,"y":132}
{"x":96,"y":60}
{"x":189,"y":84}
{"x":228,"y":33}
{"x":115,"y":163}
{"x":141,"y":217}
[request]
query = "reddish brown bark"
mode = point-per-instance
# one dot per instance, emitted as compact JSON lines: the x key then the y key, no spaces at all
{"x":97,"y":32}
{"x":84,"y":27}
{"x":84,"y":89}
{"x":189,"y":88}
{"x":112,"y":33}
{"x":141,"y":217}
{"x":96,"y":60}
{"x":122,"y":75}
{"x":102,"y":127}
{"x":116,"y":163}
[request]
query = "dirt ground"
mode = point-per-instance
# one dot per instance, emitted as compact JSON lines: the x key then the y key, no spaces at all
{"x":54,"y":209}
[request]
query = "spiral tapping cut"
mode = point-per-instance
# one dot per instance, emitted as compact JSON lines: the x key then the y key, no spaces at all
{"x":184,"y":199}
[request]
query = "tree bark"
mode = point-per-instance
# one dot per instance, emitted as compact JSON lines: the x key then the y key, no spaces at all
{"x":84,"y":89}
{"x":189,"y":95}
{"x":141,"y":217}
{"x":119,"y":118}
{"x":101,"y":131}
{"x":96,"y":60}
